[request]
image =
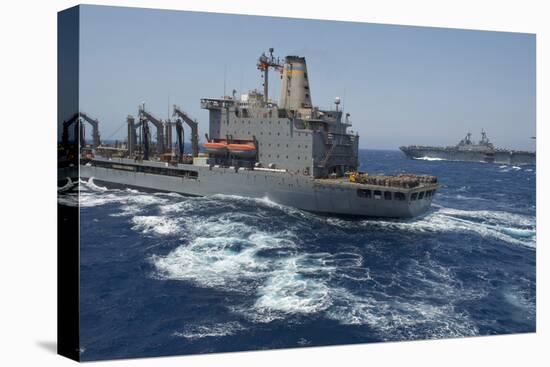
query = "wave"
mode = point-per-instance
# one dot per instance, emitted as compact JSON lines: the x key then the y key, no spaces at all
{"x":132,"y":201}
{"x":67,"y":199}
{"x":430,"y":158}
{"x":68,"y":185}
{"x":155,"y":224}
{"x":264,"y":252}
{"x":194,"y":332}
{"x":508,"y":227}
{"x":286,"y":282}
{"x":521,"y":300}
{"x":90,"y":184}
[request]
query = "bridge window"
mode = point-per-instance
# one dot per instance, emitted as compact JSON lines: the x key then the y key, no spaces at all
{"x":387,"y":195}
{"x":377,"y":194}
{"x":414,"y":195}
{"x":421,"y":195}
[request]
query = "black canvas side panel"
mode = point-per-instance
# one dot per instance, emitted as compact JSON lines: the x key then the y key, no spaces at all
{"x":67,"y":173}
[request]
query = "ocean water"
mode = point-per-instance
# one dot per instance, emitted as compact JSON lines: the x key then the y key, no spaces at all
{"x":164,"y":274}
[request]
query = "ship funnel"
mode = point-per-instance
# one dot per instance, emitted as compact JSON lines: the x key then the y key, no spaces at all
{"x":295,"y":93}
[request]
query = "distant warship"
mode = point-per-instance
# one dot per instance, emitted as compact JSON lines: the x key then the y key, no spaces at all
{"x":290,"y":152}
{"x":468,"y":151}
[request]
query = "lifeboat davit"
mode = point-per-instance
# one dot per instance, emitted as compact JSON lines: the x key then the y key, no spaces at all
{"x":219,"y":148}
{"x":246,"y":150}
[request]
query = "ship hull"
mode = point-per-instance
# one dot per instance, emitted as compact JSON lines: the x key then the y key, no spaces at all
{"x":499,"y":157}
{"x":298,"y":191}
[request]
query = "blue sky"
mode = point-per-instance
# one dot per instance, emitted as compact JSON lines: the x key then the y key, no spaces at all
{"x":402,"y":85}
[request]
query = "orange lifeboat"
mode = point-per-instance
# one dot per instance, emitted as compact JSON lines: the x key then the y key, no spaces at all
{"x":215,"y":148}
{"x":246,"y":150}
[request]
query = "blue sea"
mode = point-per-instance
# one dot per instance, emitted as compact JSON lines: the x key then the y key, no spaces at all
{"x":164,"y":274}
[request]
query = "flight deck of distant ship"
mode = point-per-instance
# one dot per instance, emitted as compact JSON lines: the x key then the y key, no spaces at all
{"x":290,"y":152}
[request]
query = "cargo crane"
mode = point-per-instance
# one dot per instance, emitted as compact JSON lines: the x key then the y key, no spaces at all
{"x":146,"y":139}
{"x":145,"y":117}
{"x":179,"y":136}
{"x":194,"y":129}
{"x":132,"y":136}
{"x":66,"y":124}
{"x":169,"y":125}
{"x":95,"y":128}
{"x":79,"y":129}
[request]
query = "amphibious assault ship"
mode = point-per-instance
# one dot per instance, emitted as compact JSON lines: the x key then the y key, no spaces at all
{"x":467,"y":150}
{"x":289,"y":152}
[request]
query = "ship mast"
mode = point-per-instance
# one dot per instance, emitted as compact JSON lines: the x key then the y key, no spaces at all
{"x":264,"y":63}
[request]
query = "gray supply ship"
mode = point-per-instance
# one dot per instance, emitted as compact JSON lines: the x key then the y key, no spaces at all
{"x":292,"y":153}
{"x":467,"y":150}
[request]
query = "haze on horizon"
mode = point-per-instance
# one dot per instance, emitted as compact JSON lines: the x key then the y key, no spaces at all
{"x":401,"y":84}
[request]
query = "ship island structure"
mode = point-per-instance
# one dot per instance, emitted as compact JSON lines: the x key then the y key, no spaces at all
{"x":290,"y":152}
{"x":468,"y":151}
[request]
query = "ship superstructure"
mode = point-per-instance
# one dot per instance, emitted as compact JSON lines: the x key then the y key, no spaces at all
{"x":290,"y":152}
{"x":467,"y":150}
{"x":293,"y":135}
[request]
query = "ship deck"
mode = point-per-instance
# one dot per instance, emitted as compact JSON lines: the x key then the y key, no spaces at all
{"x":344,"y":182}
